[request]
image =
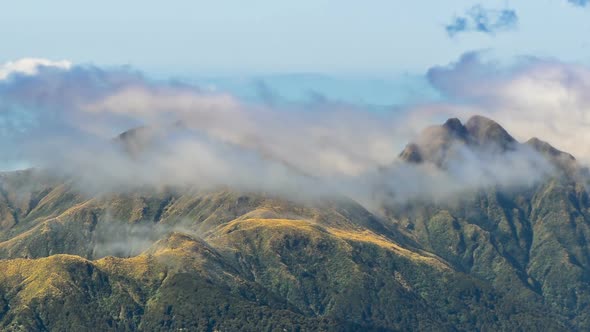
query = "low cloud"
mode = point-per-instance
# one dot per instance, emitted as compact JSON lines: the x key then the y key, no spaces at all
{"x":482,"y":20}
{"x":67,"y":119}
{"x":30,"y":66}
{"x":123,"y":239}
{"x":530,"y":97}
{"x":469,"y":170}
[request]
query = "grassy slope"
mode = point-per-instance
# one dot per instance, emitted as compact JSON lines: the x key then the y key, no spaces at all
{"x":263,"y":263}
{"x":531,"y":243}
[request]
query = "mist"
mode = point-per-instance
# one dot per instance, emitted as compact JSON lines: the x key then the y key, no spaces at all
{"x":123,"y":239}
{"x":67,"y":119}
{"x":530,"y":97}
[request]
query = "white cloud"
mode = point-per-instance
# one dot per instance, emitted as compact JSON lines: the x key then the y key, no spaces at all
{"x":533,"y":98}
{"x":65,"y":121}
{"x":30,"y":66}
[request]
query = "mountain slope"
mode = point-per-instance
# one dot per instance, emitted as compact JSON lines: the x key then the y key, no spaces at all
{"x":184,"y":258}
{"x":531,"y":241}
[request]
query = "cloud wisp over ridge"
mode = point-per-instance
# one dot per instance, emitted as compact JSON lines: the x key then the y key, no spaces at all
{"x":531,"y":97}
{"x":483,"y":20}
{"x":67,"y":120}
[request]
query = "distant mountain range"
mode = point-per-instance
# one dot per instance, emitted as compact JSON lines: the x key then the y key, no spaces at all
{"x":493,"y":258}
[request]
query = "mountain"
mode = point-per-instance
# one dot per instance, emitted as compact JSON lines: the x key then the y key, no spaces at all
{"x":436,"y":142}
{"x":186,"y":258}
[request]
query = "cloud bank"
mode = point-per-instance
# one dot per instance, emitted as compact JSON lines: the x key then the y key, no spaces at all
{"x":530,"y":97}
{"x":480,"y":19}
{"x":30,"y":66}
{"x":68,"y":120}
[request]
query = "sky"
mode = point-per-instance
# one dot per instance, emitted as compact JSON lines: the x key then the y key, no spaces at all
{"x":307,"y":94}
{"x":221,"y":38}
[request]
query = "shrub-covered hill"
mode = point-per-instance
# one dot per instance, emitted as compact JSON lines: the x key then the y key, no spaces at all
{"x":224,"y":260}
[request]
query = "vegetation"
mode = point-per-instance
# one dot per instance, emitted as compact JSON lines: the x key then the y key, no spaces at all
{"x":229,"y":261}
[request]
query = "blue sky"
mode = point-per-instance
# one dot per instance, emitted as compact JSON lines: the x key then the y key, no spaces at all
{"x":374,"y":53}
{"x":91,"y":70}
{"x":378,"y":38}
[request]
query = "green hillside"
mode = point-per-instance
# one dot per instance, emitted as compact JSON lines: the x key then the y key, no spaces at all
{"x":223,"y":260}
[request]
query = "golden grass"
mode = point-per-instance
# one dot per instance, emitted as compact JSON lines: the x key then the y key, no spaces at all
{"x":250,"y":224}
{"x":43,"y":226}
{"x":314,"y":231}
{"x":76,"y":208}
{"x":35,"y":278}
{"x":52,"y":196}
{"x":381,"y":241}
{"x":136,"y":267}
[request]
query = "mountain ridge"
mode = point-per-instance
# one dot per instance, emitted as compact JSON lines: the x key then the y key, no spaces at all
{"x":186,"y":258}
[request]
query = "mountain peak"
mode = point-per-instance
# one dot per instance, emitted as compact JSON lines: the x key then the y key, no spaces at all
{"x":411,"y":153}
{"x":454,"y":125}
{"x":135,"y":140}
{"x":546,"y":148}
{"x":436,"y":143}
{"x":563,"y":159}
{"x":487,"y":132}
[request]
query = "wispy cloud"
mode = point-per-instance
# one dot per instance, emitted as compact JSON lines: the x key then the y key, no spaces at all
{"x":532,"y":97}
{"x":480,"y":19}
{"x":30,"y":66}
{"x":580,"y":3}
{"x":65,"y":121}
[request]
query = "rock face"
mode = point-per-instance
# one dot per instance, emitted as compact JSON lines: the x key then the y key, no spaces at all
{"x":437,"y":143}
{"x":486,"y":132}
{"x":225,"y":260}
